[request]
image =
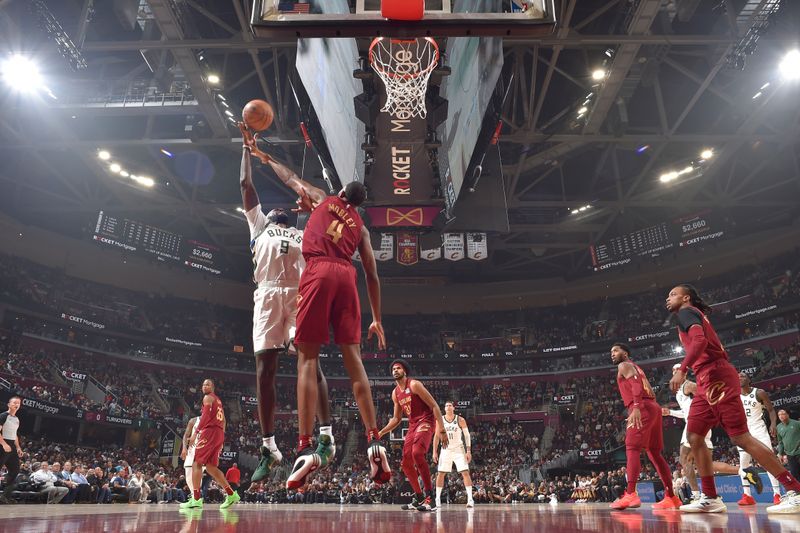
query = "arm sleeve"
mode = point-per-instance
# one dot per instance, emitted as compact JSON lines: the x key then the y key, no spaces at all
{"x":677,"y":413}
{"x":256,"y":220}
{"x":467,"y":438}
{"x":694,"y":348}
{"x":636,"y":389}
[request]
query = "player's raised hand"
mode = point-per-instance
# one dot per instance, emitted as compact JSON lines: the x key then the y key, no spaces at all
{"x":376,"y":328}
{"x":677,"y":380}
{"x":304,"y":203}
{"x":247,"y":137}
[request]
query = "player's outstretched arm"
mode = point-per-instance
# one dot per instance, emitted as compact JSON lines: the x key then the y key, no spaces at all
{"x":304,"y":190}
{"x":249,"y":194}
{"x":373,"y":288}
{"x":397,"y":418}
{"x":420,"y":390}
{"x":763,"y":397}
{"x":436,"y":442}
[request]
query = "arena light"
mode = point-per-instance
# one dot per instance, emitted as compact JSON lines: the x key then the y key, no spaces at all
{"x":213,"y":79}
{"x":790,"y":65}
{"x":21,"y":74}
{"x":240,"y":210}
{"x":598,"y":74}
{"x":166,"y":152}
{"x":228,"y":112}
{"x":124,"y":173}
{"x":677,"y":349}
{"x":582,"y":110}
{"x":144,"y":180}
{"x":115,"y":168}
{"x":105,"y":155}
{"x":708,"y":153}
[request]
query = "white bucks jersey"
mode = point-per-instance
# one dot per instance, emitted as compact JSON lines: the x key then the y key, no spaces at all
{"x":684,"y":401}
{"x":453,"y":434}
{"x":754,"y":410}
{"x":277,"y":251}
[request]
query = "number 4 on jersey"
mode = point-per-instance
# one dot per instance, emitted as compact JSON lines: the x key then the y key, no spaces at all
{"x":335,"y":231}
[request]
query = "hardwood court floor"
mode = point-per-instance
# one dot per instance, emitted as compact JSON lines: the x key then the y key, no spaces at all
{"x":243,"y":518}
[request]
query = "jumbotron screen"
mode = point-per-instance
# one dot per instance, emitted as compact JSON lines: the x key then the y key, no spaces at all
{"x":143,"y":239}
{"x":652,"y":241}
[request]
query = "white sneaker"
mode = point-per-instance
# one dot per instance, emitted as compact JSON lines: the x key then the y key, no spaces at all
{"x":790,"y":504}
{"x":470,"y":503}
{"x":705,"y":505}
{"x":438,"y":503}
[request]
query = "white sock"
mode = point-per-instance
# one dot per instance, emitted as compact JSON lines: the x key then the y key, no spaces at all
{"x":439,"y":494}
{"x":326,"y":430}
{"x":695,"y":494}
{"x":269,"y":443}
{"x":746,"y":489}
{"x":469,"y":493}
{"x":776,"y":485}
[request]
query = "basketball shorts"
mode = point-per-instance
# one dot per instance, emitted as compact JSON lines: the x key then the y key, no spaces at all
{"x":419,"y":435}
{"x":447,"y":457}
{"x":328,"y":298}
{"x":717,"y":402}
{"x":209,"y":446}
{"x":761,"y":434}
{"x":651,"y":435}
{"x":685,"y":440}
{"x":274,"y":316}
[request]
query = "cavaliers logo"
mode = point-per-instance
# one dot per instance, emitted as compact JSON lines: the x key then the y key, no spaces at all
{"x":395,"y":217}
{"x":200,"y":443}
{"x":715,"y":393}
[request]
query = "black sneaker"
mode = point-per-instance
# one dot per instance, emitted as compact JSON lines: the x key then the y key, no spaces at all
{"x":426,"y":505}
{"x":432,"y":503}
{"x":413,"y":505}
{"x":751,"y":476}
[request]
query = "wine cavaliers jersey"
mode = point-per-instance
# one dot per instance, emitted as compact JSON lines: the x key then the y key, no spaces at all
{"x":212,"y":415}
{"x":412,"y":405}
{"x":333,"y":230}
{"x":689,"y":316}
{"x":625,"y":387}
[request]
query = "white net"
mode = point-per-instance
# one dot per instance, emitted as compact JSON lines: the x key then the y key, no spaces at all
{"x":405,"y":66}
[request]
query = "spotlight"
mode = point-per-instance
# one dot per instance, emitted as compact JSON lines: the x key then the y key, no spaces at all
{"x":213,"y":79}
{"x":166,"y":152}
{"x":115,"y":168}
{"x":707,"y":153}
{"x":228,"y":112}
{"x":21,"y":74}
{"x":583,"y":110}
{"x":790,"y":65}
{"x":104,"y":155}
{"x":598,"y":74}
{"x":144,"y":180}
{"x":677,"y":349}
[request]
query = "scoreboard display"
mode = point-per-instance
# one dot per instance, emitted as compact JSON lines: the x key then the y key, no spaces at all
{"x":167,"y":246}
{"x":684,"y":231}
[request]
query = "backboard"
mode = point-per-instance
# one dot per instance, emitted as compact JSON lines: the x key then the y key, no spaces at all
{"x":282,"y":19}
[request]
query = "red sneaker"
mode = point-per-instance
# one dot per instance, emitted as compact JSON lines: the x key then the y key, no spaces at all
{"x":628,"y":500}
{"x":776,"y":499}
{"x":746,"y":500}
{"x":669,"y":502}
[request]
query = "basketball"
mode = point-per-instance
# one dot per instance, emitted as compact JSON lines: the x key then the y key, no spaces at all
{"x":257,"y":115}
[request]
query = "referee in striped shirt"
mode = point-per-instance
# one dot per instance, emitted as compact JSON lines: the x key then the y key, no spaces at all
{"x":9,"y":439}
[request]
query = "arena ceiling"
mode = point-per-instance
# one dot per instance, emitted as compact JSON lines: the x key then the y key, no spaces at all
{"x":681,"y":76}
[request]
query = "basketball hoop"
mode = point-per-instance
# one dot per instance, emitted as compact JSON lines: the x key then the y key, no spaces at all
{"x":405,"y":66}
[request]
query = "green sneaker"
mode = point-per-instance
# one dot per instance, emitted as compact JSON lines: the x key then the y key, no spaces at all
{"x":265,"y":464}
{"x":325,"y":449}
{"x":192,"y":504}
{"x":230,"y":500}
